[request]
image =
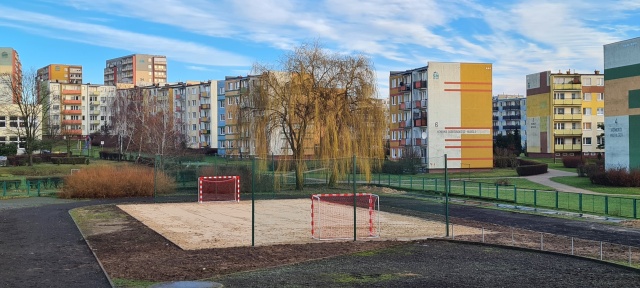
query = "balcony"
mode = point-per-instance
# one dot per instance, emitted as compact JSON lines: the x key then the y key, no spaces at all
{"x":511,"y":107}
{"x":404,"y":88}
{"x":94,"y":103}
{"x":72,"y":132}
{"x":405,"y":106}
{"x":205,"y":131}
{"x":567,"y":132}
{"x":179,"y":109}
{"x":71,"y":112}
{"x":568,"y":86}
{"x":179,"y":96}
{"x":94,"y":112}
{"x":495,"y":108}
{"x":403,"y":142}
{"x":95,"y":93}
{"x":417,"y":142}
{"x":402,"y":124}
{"x":420,"y":84}
{"x":567,"y":116}
{"x":511,"y":127}
{"x":95,"y":122}
{"x":567,"y":147}
{"x":204,"y":119}
{"x":422,"y":122}
{"x":495,"y":118}
{"x":204,"y":94}
{"x":577,"y":101}
{"x":510,"y":117}
{"x":71,"y":122}
{"x":71,"y":102}
{"x":205,"y":106}
{"x":71,"y":92}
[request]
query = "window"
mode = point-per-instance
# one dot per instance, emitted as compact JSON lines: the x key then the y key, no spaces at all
{"x":3,"y":120}
{"x":13,"y":121}
{"x":558,"y":111}
{"x":559,"y":126}
{"x":393,"y":118}
{"x":559,"y":141}
{"x":600,"y":125}
{"x":586,"y":82}
{"x":222,"y":117}
{"x":586,"y":141}
{"x":194,"y":127}
{"x":586,"y":111}
{"x":193,"y":102}
{"x":229,"y":115}
{"x":600,"y":81}
{"x":194,"y":115}
{"x":586,"y":97}
{"x":599,"y":140}
{"x":600,"y":111}
{"x":600,"y":96}
{"x":221,"y":103}
{"x":586,"y":126}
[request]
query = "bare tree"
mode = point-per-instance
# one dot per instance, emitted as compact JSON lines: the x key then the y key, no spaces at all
{"x":314,"y":96}
{"x":31,"y":101}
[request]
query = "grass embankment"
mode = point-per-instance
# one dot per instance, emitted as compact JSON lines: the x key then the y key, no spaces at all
{"x":585,"y":183}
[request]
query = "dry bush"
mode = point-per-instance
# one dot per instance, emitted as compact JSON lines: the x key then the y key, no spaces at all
{"x":115,"y":182}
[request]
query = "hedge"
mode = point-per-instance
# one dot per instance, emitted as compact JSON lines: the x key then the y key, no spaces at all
{"x":69,"y":160}
{"x":528,"y":168}
{"x":572,"y":161}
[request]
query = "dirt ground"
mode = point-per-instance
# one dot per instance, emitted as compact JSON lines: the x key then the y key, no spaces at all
{"x":130,"y":250}
{"x":193,"y":226}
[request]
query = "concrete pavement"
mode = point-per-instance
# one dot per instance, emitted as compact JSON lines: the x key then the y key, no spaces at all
{"x":545,"y":179}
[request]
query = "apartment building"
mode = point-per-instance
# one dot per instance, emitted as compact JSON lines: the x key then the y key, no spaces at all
{"x":563,"y":112}
{"x":221,"y":118}
{"x":509,"y":116}
{"x":442,"y":108}
{"x":10,"y":66}
{"x":622,"y":89}
{"x":136,"y":69}
{"x":62,"y":73}
{"x":78,"y":110}
{"x":239,"y":140}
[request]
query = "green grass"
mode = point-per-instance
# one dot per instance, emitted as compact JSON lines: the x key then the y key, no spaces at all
{"x":553,"y":164}
{"x":585,"y":183}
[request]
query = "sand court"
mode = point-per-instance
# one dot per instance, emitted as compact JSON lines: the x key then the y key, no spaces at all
{"x":193,"y":226}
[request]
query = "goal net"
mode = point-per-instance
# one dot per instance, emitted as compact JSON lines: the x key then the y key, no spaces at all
{"x":218,"y":188}
{"x":332,"y":216}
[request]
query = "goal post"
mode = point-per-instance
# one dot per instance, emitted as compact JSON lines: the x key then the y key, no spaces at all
{"x":218,"y":188}
{"x":332,"y":216}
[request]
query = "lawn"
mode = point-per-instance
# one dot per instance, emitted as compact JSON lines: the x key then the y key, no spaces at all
{"x":553,"y":164}
{"x":585,"y":183}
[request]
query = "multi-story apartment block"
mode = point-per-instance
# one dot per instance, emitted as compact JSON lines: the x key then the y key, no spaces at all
{"x":61,"y":73}
{"x":509,"y":116}
{"x":622,"y":87}
{"x":238,"y":139}
{"x":136,"y":69}
{"x":77,"y":110}
{"x":443,"y":108}
{"x":11,"y":75}
{"x":11,"y":121}
{"x":221,"y":114}
{"x":563,"y":113}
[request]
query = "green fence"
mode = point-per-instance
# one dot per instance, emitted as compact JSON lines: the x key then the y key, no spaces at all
{"x":41,"y":186}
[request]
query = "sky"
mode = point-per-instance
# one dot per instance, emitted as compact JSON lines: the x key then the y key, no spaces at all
{"x":211,"y":39}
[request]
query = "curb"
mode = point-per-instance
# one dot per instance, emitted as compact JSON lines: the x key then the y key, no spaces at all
{"x":91,"y":248}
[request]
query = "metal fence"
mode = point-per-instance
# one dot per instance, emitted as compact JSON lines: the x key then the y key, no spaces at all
{"x":42,"y":186}
{"x":508,"y":236}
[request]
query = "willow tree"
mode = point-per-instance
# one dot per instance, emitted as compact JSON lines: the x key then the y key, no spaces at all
{"x":314,"y":98}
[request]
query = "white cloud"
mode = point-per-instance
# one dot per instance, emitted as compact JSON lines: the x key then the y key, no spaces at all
{"x":178,"y":50}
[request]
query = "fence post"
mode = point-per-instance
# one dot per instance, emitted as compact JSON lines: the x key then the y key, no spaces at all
{"x":411,"y":182}
{"x":480,"y":189}
{"x":423,"y":184}
{"x":253,"y":202}
{"x":436,"y":188}
{"x":606,"y":205}
{"x":635,"y":210}
{"x":497,"y":191}
{"x":38,"y":184}
{"x":446,"y":191}
{"x":28,"y":184}
{"x":400,"y":180}
{"x":556,"y":199}
{"x":389,"y":180}
{"x":355,"y":203}
{"x":515,"y":194}
{"x":4,"y":190}
{"x":580,"y":202}
{"x":464,"y":188}
{"x":535,"y":198}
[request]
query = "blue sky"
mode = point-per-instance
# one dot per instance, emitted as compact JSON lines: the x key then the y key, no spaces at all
{"x":211,"y":39}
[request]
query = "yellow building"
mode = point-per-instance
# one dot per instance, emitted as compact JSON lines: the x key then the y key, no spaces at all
{"x":61,"y":73}
{"x":136,"y":69}
{"x":10,"y":71}
{"x":563,"y":113}
{"x":443,"y":108}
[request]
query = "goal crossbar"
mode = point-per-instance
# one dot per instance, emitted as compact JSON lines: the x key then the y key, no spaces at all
{"x":332,"y":216}
{"x":218,"y":188}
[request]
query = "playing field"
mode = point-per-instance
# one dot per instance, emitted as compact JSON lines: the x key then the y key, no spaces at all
{"x":206,"y":225}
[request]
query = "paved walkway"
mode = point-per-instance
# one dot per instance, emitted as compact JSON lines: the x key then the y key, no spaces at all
{"x":545,"y":179}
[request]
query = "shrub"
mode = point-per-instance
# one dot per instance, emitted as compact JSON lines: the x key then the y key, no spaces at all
{"x":392,"y":167}
{"x":586,"y":170}
{"x":503,"y":182}
{"x":69,"y":160}
{"x":115,"y":182}
{"x":528,"y":167}
{"x":503,"y":158}
{"x":572,"y":161}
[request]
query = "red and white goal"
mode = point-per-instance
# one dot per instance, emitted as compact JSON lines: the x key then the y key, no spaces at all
{"x":332,"y":216}
{"x":218,"y":188}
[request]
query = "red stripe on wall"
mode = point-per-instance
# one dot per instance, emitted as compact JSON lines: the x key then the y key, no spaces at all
{"x":465,"y":140}
{"x":472,"y":83}
{"x":469,"y":158}
{"x":446,"y":128}
{"x":467,"y":90}
{"x":468,"y":146}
